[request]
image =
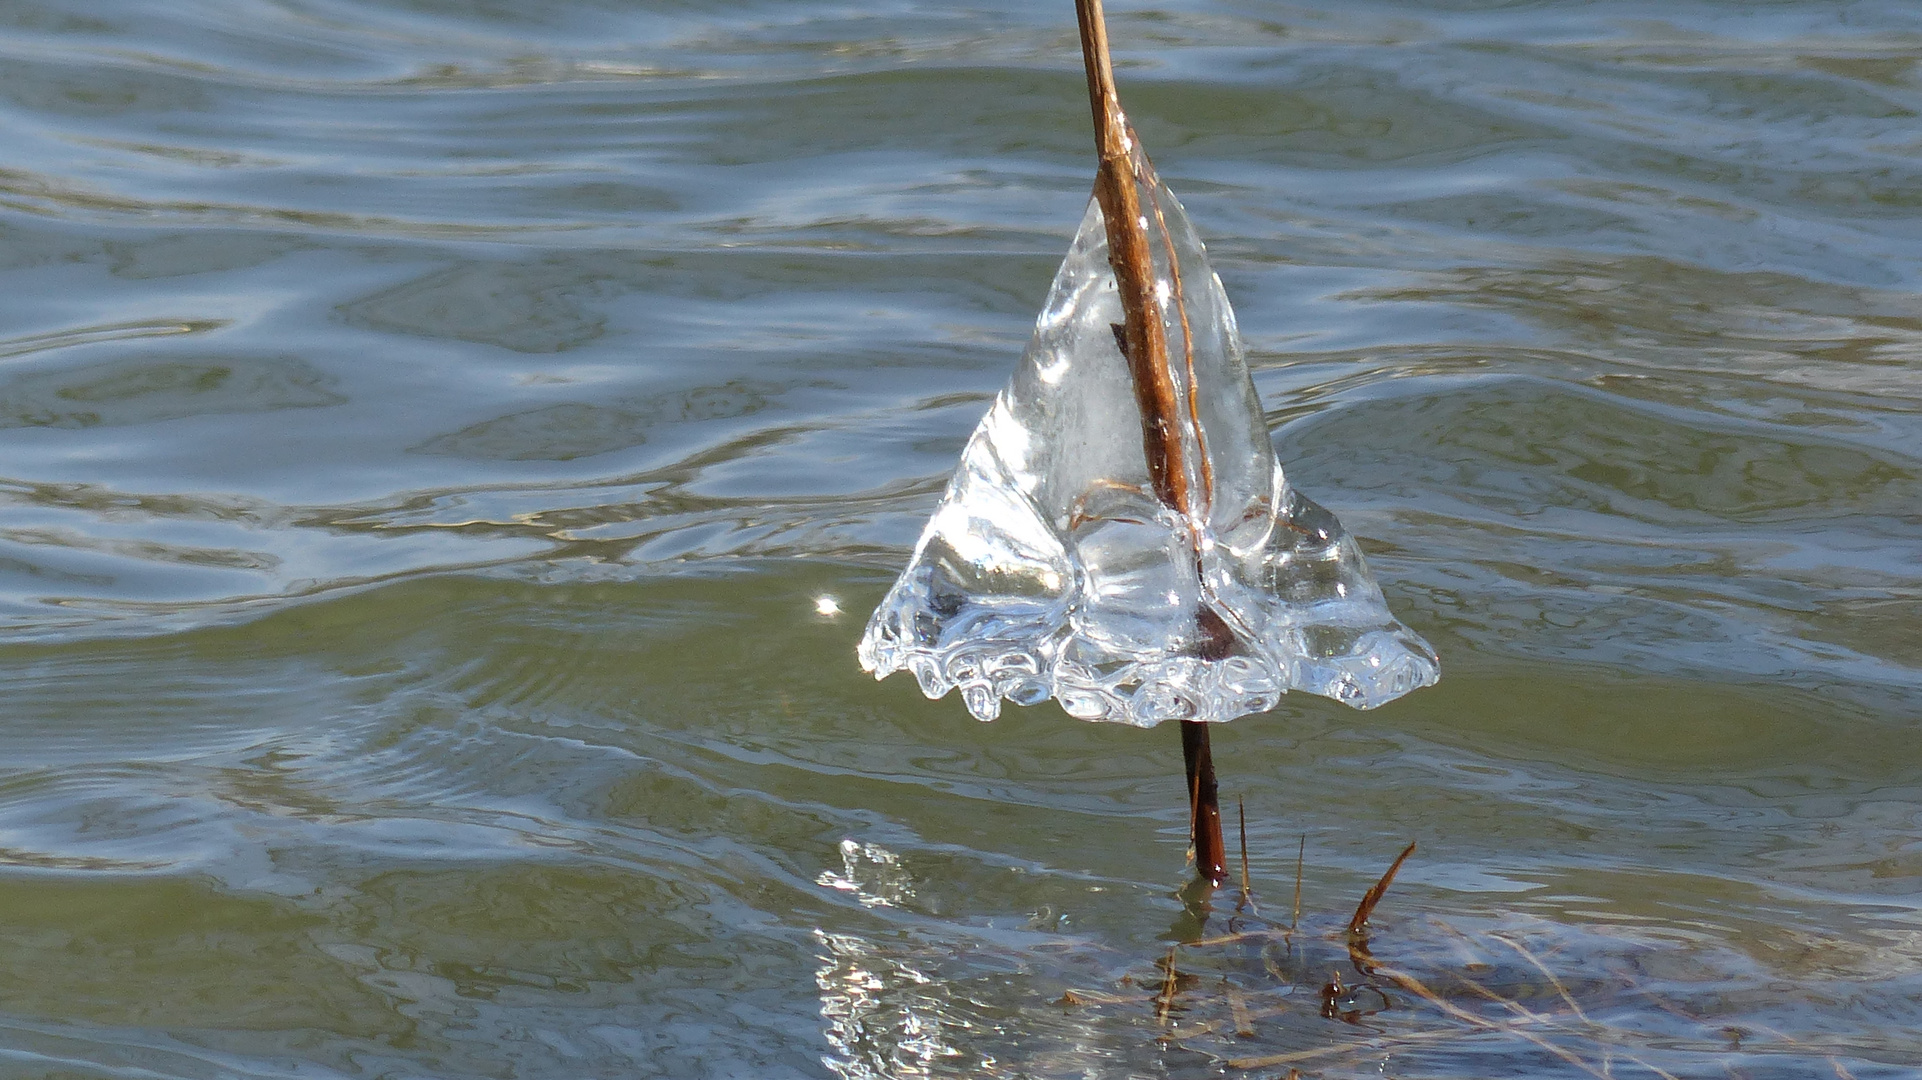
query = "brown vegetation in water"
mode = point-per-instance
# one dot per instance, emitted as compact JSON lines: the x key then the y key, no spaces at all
{"x":1279,"y":1002}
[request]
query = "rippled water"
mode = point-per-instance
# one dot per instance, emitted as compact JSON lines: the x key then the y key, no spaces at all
{"x":427,"y":429}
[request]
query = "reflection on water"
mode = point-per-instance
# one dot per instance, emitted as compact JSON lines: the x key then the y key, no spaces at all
{"x":427,"y":430}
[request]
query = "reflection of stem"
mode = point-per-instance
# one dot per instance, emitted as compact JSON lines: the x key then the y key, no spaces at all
{"x":1144,"y":342}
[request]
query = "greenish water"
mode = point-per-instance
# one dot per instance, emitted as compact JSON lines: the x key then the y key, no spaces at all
{"x":427,"y":430}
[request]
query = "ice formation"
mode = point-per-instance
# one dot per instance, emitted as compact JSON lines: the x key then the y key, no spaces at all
{"x":1051,"y":569}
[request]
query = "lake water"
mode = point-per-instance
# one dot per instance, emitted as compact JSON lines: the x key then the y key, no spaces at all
{"x":428,"y":431}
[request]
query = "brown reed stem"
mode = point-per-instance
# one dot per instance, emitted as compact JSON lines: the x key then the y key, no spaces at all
{"x":1144,"y":345}
{"x":1211,"y":856}
{"x":1144,"y":338}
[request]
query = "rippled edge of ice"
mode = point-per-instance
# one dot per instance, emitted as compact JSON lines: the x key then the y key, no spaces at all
{"x":1022,"y":651}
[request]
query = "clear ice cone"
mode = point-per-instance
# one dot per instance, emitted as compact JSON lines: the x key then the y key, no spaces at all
{"x":1051,"y":569}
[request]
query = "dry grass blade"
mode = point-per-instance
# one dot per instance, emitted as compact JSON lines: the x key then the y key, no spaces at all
{"x":1165,"y":1000}
{"x":1520,"y":1010}
{"x":1416,"y":987}
{"x":1236,"y":938}
{"x":1567,"y":998}
{"x":1247,"y":890}
{"x":1362,"y":1046}
{"x":1301,"y":855}
{"x":1374,"y":895}
{"x":1469,"y":1009}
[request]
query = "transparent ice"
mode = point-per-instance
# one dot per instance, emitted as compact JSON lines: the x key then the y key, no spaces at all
{"x":1050,"y":568}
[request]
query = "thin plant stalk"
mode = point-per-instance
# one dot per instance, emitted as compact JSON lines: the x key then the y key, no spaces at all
{"x":1247,"y":889}
{"x":1144,"y":345}
{"x":1301,"y":855}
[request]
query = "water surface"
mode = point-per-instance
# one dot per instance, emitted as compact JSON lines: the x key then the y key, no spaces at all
{"x":427,"y":431}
